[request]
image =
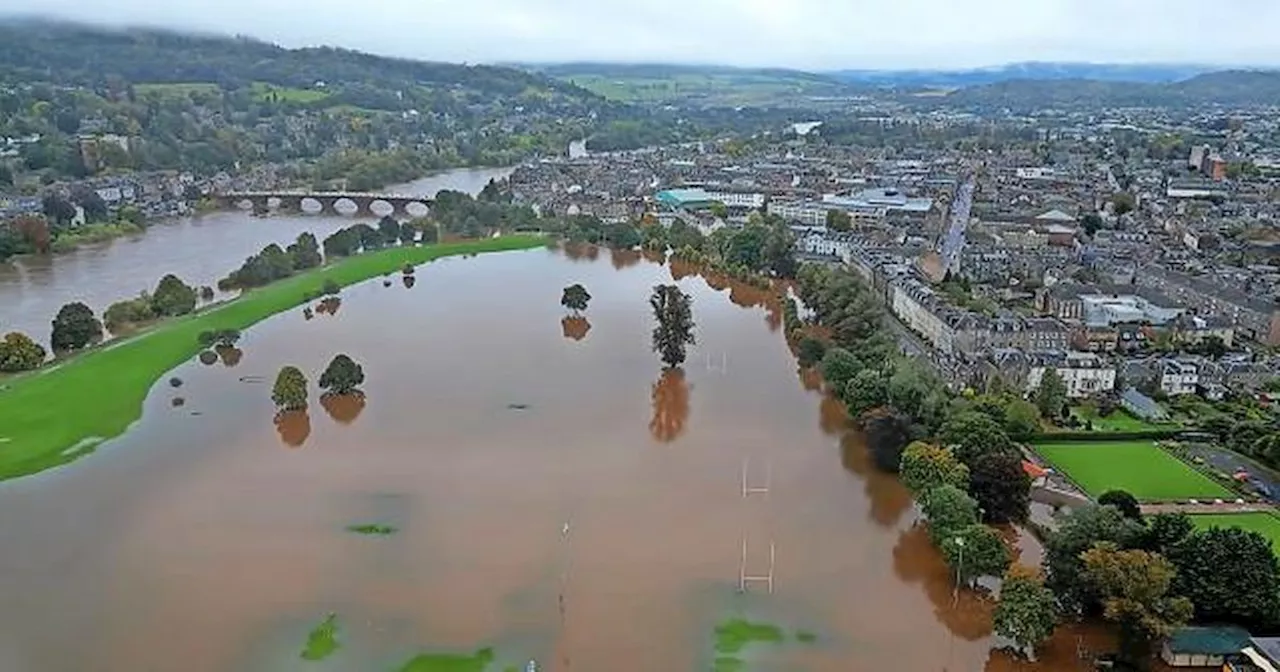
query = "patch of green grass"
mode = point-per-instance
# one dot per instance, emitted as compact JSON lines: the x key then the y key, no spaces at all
{"x":263,"y":91}
{"x":1119,"y":421}
{"x":1138,"y":467}
{"x":806,"y":637}
{"x":54,"y":415}
{"x":175,"y":88}
{"x":372,"y":529}
{"x":729,"y":664}
{"x":734,"y":635}
{"x":1266,"y":524}
{"x":322,"y":641}
{"x":449,"y":662}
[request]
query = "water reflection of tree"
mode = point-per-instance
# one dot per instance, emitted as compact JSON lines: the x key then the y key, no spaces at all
{"x":670,"y":406}
{"x":344,"y":408}
{"x":623,"y":258}
{"x":811,"y":381}
{"x":229,"y":354}
{"x":654,"y":256}
{"x":580,"y":251}
{"x":575,"y":328}
{"x":832,"y":417}
{"x":681,"y":269}
{"x":967,"y":614}
{"x":889,"y":500}
{"x":294,"y":427}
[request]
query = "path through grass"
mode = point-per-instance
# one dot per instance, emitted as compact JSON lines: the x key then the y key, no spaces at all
{"x":57,"y":414}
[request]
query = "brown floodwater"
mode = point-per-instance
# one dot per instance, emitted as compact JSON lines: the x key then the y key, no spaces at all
{"x":200,"y":250}
{"x":557,"y":494}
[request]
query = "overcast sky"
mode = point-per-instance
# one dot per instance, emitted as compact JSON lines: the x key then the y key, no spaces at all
{"x":813,"y":34}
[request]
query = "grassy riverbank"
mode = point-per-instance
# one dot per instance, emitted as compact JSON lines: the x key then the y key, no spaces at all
{"x":57,"y":414}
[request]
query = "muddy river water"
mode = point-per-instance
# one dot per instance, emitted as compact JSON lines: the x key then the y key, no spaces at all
{"x":558,"y":496}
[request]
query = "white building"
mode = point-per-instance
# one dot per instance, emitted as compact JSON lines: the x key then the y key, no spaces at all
{"x":1179,"y":378}
{"x":738,"y":199}
{"x":1083,"y":373}
{"x":1100,"y":310}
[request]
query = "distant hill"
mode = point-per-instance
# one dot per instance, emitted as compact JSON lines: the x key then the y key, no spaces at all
{"x":68,"y":53}
{"x":1102,"y":72}
{"x":1231,"y":87}
{"x":697,"y":84}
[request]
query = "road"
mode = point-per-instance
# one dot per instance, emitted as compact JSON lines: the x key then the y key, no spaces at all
{"x":953,"y":239}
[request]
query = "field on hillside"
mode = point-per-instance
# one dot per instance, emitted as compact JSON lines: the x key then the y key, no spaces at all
{"x":723,"y":88}
{"x":1138,"y":467}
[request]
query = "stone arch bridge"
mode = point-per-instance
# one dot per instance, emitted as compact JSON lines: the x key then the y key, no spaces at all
{"x":401,"y":205}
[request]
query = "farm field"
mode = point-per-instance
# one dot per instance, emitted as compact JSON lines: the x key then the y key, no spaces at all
{"x":1265,"y":524}
{"x":1138,"y":467}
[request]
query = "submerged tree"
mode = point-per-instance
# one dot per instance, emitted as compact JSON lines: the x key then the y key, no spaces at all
{"x":1135,"y":589}
{"x":343,"y":376}
{"x":1027,"y":612}
{"x":290,"y":390}
{"x":673,"y":310}
{"x":575,"y":298}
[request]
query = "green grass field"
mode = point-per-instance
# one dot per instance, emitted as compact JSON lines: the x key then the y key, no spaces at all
{"x":1138,"y":467}
{"x":56,"y":414}
{"x":1265,"y":524}
{"x":1118,"y":421}
{"x":175,"y":89}
{"x":264,"y":91}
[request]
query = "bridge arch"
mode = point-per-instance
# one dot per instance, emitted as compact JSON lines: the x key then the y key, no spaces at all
{"x":344,"y":205}
{"x":310,"y":205}
{"x":381,"y":207}
{"x":416,"y":209}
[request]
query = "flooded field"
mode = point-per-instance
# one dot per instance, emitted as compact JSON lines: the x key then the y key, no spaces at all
{"x":555,"y":495}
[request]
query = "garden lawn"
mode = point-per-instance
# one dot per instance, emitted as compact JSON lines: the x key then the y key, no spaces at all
{"x":1118,"y":421}
{"x":56,"y":414}
{"x":1266,"y":524}
{"x":1138,"y":467}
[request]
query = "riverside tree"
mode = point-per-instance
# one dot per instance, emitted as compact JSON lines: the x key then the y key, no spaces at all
{"x":575,"y":298}
{"x":290,"y":391}
{"x":1134,"y":587}
{"x":673,"y":309}
{"x":974,"y":551}
{"x":18,"y":352}
{"x":305,"y":251}
{"x":1027,"y":612}
{"x":342,"y":376}
{"x":948,"y":509}
{"x":75,"y":327}
{"x":926,"y":466}
{"x":1001,"y":486}
{"x":173,"y":297}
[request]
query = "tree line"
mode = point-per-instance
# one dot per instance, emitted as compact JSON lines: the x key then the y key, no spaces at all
{"x":959,"y":457}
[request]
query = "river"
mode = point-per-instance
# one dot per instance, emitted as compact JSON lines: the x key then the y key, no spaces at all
{"x":557,"y":496}
{"x":200,"y":250}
